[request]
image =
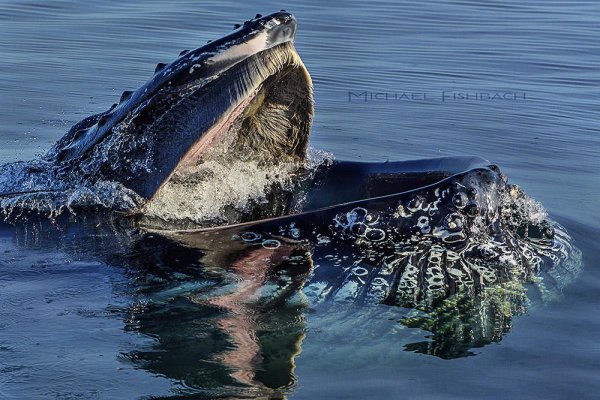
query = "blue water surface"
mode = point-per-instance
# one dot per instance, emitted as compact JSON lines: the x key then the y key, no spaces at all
{"x":516,"y":82}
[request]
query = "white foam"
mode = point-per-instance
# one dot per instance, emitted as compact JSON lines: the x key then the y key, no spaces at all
{"x":204,"y":193}
{"x":102,"y":194}
{"x":531,"y":209}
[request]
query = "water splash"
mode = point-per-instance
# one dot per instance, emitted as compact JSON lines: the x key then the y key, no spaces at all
{"x":221,"y":192}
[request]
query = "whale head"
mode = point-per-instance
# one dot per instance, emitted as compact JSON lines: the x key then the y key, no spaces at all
{"x":245,"y":96}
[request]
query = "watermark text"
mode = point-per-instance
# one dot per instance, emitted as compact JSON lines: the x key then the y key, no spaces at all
{"x":441,"y":96}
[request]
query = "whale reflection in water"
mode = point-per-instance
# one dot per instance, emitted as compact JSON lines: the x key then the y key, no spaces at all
{"x":456,"y":251}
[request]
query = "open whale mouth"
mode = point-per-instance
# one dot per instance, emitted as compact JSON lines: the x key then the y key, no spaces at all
{"x":270,"y":114}
{"x":238,"y":114}
{"x":261,"y":138}
{"x":245,"y":97}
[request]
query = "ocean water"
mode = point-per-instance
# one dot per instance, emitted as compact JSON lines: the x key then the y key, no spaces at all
{"x":88,"y":314}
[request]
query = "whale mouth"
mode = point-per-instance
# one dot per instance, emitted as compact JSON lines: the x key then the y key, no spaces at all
{"x":269,"y":120}
{"x":247,"y":93}
{"x":251,"y":152}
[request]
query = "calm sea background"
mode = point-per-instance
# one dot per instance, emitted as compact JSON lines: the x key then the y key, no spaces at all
{"x":531,"y":70}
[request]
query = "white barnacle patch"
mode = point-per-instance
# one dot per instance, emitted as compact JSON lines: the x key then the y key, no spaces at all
{"x":415,"y":204}
{"x":454,"y":222}
{"x":374,"y":234}
{"x":433,"y":207}
{"x":323,"y":239}
{"x":371,"y":218}
{"x":507,"y":260}
{"x":423,"y":224}
{"x":294,"y":231}
{"x":378,"y":289}
{"x":250,"y":236}
{"x":271,"y":244}
{"x":434,"y":273}
{"x":452,"y":229}
{"x":408,"y":279}
{"x":446,"y":236}
{"x":488,"y":250}
{"x":193,"y":67}
{"x":460,"y":200}
{"x":360,"y":271}
{"x":360,"y":224}
{"x":401,"y":211}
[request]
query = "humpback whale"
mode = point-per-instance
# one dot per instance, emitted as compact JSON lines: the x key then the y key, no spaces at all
{"x":211,"y":157}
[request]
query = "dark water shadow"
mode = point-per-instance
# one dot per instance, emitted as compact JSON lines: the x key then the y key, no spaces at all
{"x":227,"y":309}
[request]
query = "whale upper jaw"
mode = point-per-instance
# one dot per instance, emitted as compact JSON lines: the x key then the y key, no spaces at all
{"x":247,"y":95}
